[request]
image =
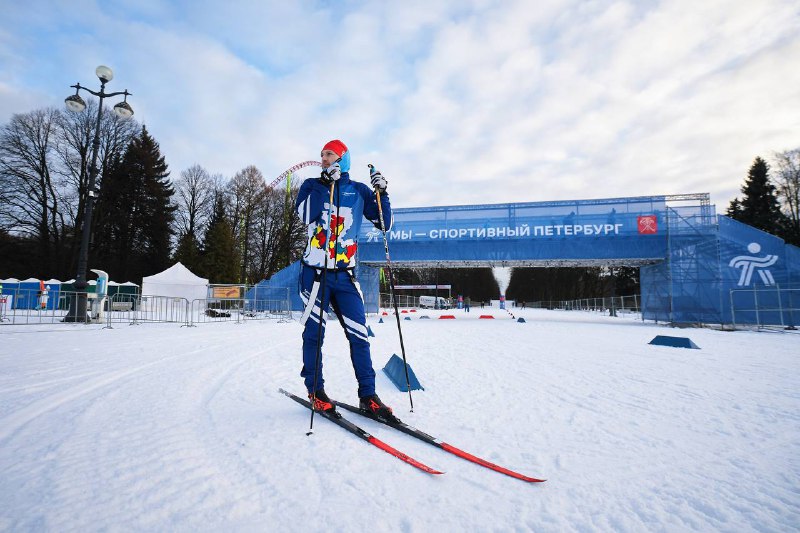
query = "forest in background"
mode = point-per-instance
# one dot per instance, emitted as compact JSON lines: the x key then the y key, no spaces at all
{"x":236,"y":229}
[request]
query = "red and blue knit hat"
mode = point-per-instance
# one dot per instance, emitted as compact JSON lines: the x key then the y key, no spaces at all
{"x":339,"y":148}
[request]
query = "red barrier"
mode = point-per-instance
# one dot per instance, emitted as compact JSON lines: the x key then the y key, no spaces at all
{"x":451,"y":317}
{"x":486,"y":316}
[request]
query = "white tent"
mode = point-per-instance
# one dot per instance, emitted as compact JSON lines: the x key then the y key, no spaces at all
{"x":178,"y":282}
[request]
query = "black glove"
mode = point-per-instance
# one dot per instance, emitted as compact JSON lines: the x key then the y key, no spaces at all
{"x":378,"y":181}
{"x":331,"y":174}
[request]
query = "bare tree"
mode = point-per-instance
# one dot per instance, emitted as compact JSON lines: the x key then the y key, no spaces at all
{"x":31,"y":203}
{"x":265,"y":232}
{"x":787,"y":180}
{"x":76,"y":133}
{"x":74,"y":141}
{"x":246,"y":191}
{"x":195,"y":199}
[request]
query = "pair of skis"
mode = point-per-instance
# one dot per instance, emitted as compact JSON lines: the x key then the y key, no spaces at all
{"x":338,"y":419}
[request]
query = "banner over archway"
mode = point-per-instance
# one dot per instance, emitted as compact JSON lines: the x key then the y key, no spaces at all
{"x":613,"y":231}
{"x":689,"y":257}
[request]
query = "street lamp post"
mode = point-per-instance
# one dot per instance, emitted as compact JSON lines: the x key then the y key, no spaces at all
{"x":78,"y":306}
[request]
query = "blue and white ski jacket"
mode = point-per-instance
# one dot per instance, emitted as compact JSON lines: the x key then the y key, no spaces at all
{"x":352,"y":201}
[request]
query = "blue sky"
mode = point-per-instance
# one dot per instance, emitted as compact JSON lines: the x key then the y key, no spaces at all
{"x":455,"y":102}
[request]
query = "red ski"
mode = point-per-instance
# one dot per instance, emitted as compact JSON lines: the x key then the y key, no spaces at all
{"x":338,"y":419}
{"x":414,"y":432}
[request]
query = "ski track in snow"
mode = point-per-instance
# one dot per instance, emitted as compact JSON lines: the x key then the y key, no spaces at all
{"x":156,"y":427}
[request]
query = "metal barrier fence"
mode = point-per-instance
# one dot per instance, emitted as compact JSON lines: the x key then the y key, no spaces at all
{"x":613,"y":305}
{"x":766,"y":307}
{"x":26,"y":306}
{"x":404,"y":300}
{"x":241,"y":310}
{"x":31,"y":306}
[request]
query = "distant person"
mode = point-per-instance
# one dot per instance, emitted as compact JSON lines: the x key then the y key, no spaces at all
{"x":522,"y":304}
{"x":466,"y":304}
{"x":481,"y":304}
{"x":352,"y":201}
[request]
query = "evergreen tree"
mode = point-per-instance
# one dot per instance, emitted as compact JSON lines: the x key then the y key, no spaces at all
{"x":188,"y":252}
{"x":220,"y":257}
{"x":135,"y":213}
{"x":734,"y":209}
{"x":759,"y":205}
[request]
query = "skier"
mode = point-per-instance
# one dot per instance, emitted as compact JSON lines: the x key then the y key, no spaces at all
{"x":327,"y":270}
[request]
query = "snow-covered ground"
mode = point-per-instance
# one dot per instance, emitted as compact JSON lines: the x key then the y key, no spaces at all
{"x":162,"y":428}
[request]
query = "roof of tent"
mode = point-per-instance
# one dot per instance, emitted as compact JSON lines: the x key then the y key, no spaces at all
{"x":177,"y":274}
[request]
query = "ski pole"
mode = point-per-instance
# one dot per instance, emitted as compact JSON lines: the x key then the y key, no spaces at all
{"x":321,"y":311}
{"x":391,"y":287}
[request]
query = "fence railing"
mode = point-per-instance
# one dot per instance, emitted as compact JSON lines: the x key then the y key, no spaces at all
{"x":31,"y":306}
{"x":765,"y":307}
{"x":614,"y":305}
{"x":24,"y":306}
{"x":405,"y":301}
{"x":610,"y":304}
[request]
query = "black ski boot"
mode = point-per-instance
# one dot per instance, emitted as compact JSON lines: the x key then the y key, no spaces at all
{"x":374,"y":406}
{"x":322,"y":402}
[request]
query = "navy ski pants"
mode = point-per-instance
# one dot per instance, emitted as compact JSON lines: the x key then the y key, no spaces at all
{"x":344,"y":296}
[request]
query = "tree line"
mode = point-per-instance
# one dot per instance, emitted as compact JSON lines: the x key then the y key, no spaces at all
{"x":237,"y":230}
{"x":771,"y":205}
{"x":232,"y":230}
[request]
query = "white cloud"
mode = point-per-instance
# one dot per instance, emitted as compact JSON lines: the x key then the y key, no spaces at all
{"x":456,"y":102}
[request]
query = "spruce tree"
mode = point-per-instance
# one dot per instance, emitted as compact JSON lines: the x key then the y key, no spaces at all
{"x":734,"y":210}
{"x":135,"y":213}
{"x":759,"y":205}
{"x":220,"y":257}
{"x":188,"y":252}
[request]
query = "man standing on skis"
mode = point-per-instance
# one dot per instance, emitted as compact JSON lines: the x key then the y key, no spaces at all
{"x":327,"y":277}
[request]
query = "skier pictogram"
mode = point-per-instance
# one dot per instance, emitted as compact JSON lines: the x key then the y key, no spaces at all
{"x":750,"y":263}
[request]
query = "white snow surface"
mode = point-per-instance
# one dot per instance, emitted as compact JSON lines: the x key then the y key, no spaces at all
{"x":161,"y":428}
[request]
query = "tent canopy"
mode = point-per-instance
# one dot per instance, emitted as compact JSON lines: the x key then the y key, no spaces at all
{"x":178,"y":282}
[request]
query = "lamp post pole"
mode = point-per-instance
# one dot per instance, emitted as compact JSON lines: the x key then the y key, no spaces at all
{"x":78,"y":307}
